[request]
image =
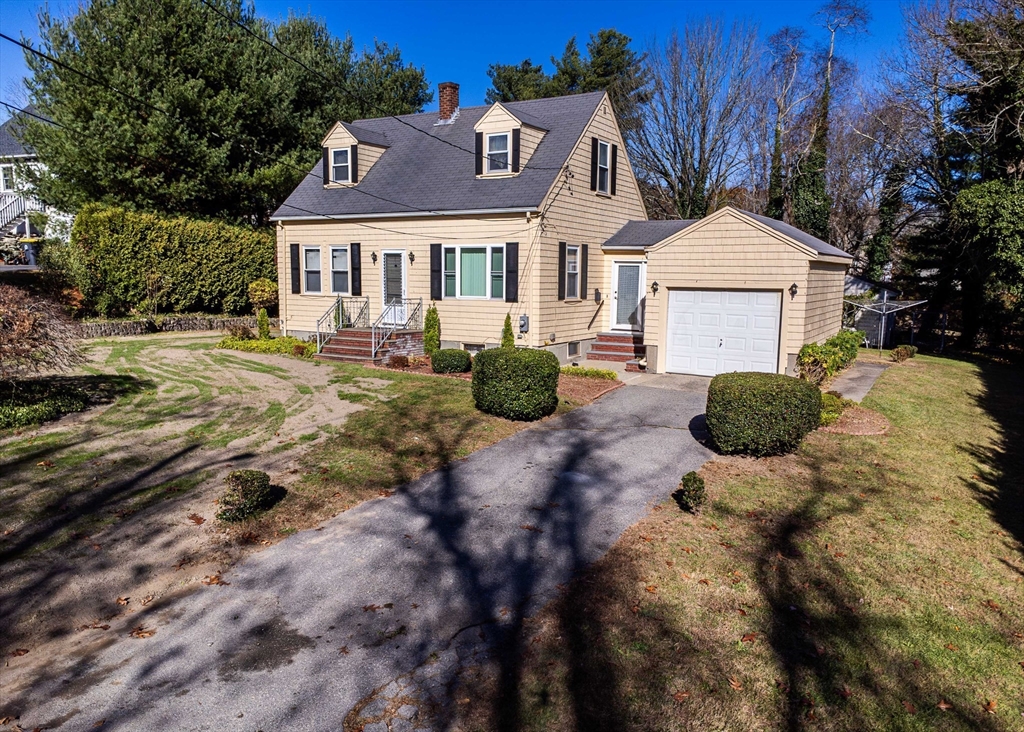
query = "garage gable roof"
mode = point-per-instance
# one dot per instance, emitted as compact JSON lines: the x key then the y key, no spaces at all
{"x":642,"y":234}
{"x":800,"y":239}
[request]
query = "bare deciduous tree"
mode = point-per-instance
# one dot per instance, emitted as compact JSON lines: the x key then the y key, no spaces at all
{"x":35,"y":336}
{"x":690,"y":143}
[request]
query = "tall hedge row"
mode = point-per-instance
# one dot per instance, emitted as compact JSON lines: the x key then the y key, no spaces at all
{"x":124,"y":261}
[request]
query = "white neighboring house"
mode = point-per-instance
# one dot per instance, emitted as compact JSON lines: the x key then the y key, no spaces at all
{"x":16,"y":199}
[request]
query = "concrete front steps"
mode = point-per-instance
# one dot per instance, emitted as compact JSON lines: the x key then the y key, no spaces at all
{"x":627,"y":348}
{"x":355,"y":345}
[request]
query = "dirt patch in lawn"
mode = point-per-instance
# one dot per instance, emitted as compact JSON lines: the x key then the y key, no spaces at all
{"x":857,"y":420}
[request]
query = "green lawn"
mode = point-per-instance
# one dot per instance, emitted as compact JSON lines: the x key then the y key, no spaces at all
{"x":866,"y":582}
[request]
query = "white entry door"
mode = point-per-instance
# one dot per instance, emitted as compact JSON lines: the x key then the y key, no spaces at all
{"x":627,"y":296}
{"x":393,"y":288}
{"x":717,"y":331}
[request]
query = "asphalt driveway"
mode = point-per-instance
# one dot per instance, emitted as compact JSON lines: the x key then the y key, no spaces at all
{"x":447,"y":566}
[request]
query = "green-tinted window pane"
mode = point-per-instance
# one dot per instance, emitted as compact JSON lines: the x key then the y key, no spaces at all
{"x":473,"y":263}
{"x":498,"y":286}
{"x":497,"y":260}
{"x":449,"y":285}
{"x":449,"y":260}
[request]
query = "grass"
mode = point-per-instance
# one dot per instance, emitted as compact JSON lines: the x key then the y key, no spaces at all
{"x":862,"y":583}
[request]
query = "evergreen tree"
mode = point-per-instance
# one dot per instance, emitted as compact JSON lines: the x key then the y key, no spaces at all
{"x":226,"y":126}
{"x":516,"y":82}
{"x":508,"y":338}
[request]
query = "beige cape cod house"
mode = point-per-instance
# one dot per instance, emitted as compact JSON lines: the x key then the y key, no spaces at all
{"x":531,"y":209}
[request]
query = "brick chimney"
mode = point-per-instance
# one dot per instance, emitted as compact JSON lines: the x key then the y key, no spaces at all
{"x":448,"y":93}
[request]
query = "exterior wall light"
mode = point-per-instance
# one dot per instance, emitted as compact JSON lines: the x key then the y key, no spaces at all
{"x":793,"y":289}
{"x":654,"y":287}
{"x":412,"y":257}
{"x":373,"y":257}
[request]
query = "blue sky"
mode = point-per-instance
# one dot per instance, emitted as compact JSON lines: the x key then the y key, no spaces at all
{"x":456,"y":41}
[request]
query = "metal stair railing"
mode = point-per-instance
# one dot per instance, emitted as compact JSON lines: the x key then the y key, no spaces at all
{"x":399,"y":314}
{"x":11,"y":208}
{"x":344,"y":312}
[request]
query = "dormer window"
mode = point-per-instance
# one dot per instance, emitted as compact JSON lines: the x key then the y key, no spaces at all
{"x":341,"y":169}
{"x":497,"y":153}
{"x":603,"y":167}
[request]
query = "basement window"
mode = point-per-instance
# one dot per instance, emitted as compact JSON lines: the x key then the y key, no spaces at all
{"x":574,"y":348}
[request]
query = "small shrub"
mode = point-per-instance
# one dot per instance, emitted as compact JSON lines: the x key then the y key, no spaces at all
{"x":240,"y":332}
{"x":398,"y":362}
{"x":690,"y":494}
{"x":263,"y":324}
{"x":431,"y":331}
{"x":819,"y":361}
{"x":832,"y":407}
{"x":283,"y":346}
{"x":248,"y":493}
{"x":262,"y":294}
{"x":590,"y":373}
{"x":26,"y":404}
{"x":451,"y":361}
{"x":912,"y":350}
{"x":761,"y":414}
{"x":508,"y":338}
{"x":516,"y":383}
{"x":900,"y":354}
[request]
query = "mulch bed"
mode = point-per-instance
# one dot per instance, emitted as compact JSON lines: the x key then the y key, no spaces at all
{"x":857,"y":420}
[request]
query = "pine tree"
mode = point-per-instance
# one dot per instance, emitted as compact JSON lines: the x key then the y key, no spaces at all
{"x":508,"y":339}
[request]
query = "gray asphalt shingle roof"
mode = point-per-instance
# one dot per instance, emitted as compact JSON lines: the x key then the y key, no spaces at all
{"x":643,"y":234}
{"x":801,"y":236}
{"x":426,"y":173}
{"x":368,"y":136}
{"x":10,"y":145}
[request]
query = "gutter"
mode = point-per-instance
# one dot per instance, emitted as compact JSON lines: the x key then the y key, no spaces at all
{"x":406,"y":214}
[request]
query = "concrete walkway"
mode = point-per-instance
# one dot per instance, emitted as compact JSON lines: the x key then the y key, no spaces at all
{"x":857,"y":381}
{"x":452,"y":562}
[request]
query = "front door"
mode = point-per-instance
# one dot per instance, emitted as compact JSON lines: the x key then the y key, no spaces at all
{"x":627,"y":295}
{"x":394,"y":288}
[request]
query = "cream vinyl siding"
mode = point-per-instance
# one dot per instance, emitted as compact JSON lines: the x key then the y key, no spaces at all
{"x":727,"y":254}
{"x":462,"y":320}
{"x":824,"y":311}
{"x":368,"y":154}
{"x":577,"y":216}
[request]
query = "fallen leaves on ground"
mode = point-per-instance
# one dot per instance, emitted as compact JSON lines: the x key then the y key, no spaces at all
{"x":651,"y":588}
{"x":147,"y":599}
{"x":214,"y":579}
{"x":123,"y":600}
{"x":371,"y":608}
{"x":944,"y":705}
{"x":531,"y":527}
{"x":681,"y":696}
{"x":45,"y":464}
{"x":196,"y":519}
{"x":989,"y":706}
{"x":951,"y":647}
{"x":735,"y":683}
{"x":343,"y":650}
{"x":95,"y":626}
{"x":845,"y":692}
{"x":19,"y":652}
{"x":991,"y":604}
{"x":141,"y":632}
{"x":749,"y":638}
{"x":910,"y":707}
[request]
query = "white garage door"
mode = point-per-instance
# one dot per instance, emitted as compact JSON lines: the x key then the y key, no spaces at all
{"x":716,"y":331}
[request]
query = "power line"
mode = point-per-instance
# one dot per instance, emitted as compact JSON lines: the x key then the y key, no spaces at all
{"x":354,"y":95}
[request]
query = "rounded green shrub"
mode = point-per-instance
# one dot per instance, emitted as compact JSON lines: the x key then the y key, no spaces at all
{"x":761,"y":414}
{"x":516,"y":383}
{"x":263,"y":293}
{"x":248,"y":493}
{"x":690,"y":495}
{"x":450,"y":361}
{"x":832,"y":407}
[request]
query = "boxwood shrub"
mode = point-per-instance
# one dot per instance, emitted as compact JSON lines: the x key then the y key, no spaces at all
{"x":450,"y":361}
{"x":248,"y":493}
{"x":761,"y":414}
{"x":516,"y":383}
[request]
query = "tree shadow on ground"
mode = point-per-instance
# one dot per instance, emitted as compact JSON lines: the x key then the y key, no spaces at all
{"x":1000,"y":484}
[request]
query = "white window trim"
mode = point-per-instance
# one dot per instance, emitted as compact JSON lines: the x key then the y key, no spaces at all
{"x":347,"y":165}
{"x":507,"y":151}
{"x":347,"y":271}
{"x":579,"y":253}
{"x":305,"y":290}
{"x":608,"y":167}
{"x":14,"y":180}
{"x":488,"y":273}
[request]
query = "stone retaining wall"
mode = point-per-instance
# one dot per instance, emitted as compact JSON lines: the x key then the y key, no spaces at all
{"x":168,"y":324}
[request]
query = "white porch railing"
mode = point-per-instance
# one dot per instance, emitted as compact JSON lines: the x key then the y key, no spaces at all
{"x":344,"y":312}
{"x":399,"y":314}
{"x":12,"y":206}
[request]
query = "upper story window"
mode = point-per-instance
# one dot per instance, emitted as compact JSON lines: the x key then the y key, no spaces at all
{"x":572,"y":272}
{"x":603,"y":166}
{"x":311,"y":269}
{"x":6,"y":178}
{"x":497,"y":153}
{"x":474,"y":272}
{"x":341,"y":170}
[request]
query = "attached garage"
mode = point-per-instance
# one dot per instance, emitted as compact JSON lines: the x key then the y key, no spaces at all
{"x":716,"y":331}
{"x":739,"y":292}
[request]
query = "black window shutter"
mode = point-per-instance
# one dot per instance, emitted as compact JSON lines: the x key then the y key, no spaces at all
{"x":512,"y":271}
{"x":615,"y":165}
{"x":561,"y":270}
{"x":479,"y":153}
{"x":327,"y":166}
{"x":435,"y":271}
{"x":296,"y":270}
{"x":356,"y":267}
{"x":584,"y":253}
{"x":515,"y":150}
{"x":354,"y":161}
{"x":593,"y":163}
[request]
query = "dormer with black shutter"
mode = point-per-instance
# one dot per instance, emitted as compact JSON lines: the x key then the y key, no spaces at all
{"x":348,"y":153}
{"x":505,"y":141}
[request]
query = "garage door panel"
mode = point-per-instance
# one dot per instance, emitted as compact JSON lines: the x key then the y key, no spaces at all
{"x":720,"y":331}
